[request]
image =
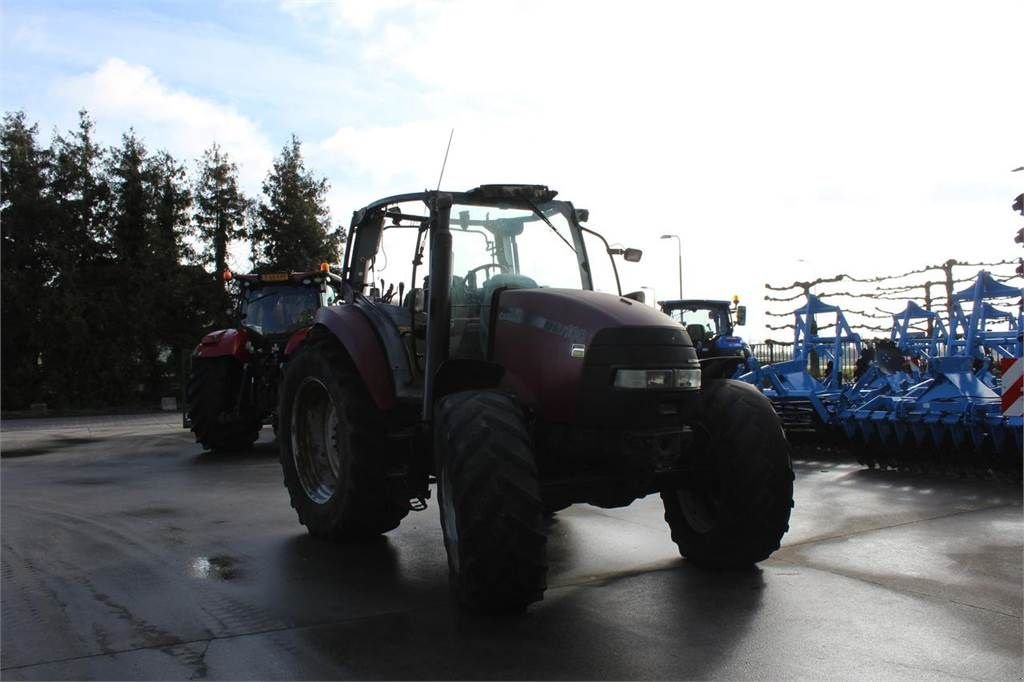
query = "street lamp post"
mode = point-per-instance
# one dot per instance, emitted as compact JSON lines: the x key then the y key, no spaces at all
{"x":679,"y":248}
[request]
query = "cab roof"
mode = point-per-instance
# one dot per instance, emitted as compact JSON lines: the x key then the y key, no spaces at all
{"x":694,"y":303}
{"x":509,"y":192}
{"x":278,"y":277}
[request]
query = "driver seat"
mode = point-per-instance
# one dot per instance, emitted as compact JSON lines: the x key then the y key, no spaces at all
{"x":503,"y":280}
{"x":696,"y":332}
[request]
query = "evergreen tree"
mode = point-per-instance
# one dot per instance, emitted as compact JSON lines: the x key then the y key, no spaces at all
{"x":132,"y":210}
{"x":220,"y":208}
{"x":98,"y":303}
{"x":27,"y":223}
{"x":170,"y":303}
{"x":83,"y":309}
{"x":189,"y":302}
{"x":80,"y":191}
{"x":292,"y":227}
{"x":173,"y":200}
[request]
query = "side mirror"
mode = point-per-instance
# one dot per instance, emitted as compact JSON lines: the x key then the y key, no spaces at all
{"x":741,"y":315}
{"x":632,"y":255}
{"x":582,"y":215}
{"x":637,"y":296}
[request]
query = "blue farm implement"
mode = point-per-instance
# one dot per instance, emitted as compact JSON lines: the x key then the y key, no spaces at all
{"x":971,"y":333}
{"x":803,"y":393}
{"x":931,"y":398}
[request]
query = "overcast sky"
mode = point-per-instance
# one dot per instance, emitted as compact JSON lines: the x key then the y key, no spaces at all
{"x":781,"y":141}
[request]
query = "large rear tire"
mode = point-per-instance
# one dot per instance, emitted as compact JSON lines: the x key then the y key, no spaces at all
{"x":492,"y":515}
{"x":212,"y":394}
{"x":740,"y":516}
{"x":331,"y":444}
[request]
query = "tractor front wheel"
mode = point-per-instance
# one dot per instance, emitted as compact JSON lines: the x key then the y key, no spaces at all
{"x":212,"y":395}
{"x":492,"y":515}
{"x":739,"y":515}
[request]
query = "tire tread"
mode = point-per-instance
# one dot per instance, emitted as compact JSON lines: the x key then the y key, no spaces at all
{"x":210,"y":393}
{"x":752,"y":460}
{"x":483,"y":439}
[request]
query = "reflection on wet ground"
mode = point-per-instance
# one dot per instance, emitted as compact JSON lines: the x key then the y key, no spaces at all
{"x":215,"y":567}
{"x":44,"y":447}
{"x":136,"y":556}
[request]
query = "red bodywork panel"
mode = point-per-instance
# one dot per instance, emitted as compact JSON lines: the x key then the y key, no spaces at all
{"x":222,"y":343}
{"x":350,"y":326}
{"x":297,"y":337}
{"x":535,"y":331}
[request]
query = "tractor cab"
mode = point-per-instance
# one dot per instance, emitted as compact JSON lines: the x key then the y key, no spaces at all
{"x":275,"y":305}
{"x":711,"y":325}
{"x":496,"y":239}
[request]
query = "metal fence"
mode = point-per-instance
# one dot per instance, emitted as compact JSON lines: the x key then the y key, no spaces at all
{"x":771,"y":352}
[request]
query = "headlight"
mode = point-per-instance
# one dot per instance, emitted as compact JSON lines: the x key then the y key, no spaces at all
{"x":657,"y":378}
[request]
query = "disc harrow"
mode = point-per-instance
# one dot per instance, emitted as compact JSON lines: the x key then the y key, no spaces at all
{"x":806,"y":389}
{"x":930,"y":397}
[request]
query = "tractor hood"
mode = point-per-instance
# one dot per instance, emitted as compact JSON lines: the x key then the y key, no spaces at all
{"x":578,"y":315}
{"x":546,"y":338}
{"x":223,"y":342}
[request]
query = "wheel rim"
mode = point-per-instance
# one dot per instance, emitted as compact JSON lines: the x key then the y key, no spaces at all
{"x":315,"y":450}
{"x":699,"y":507}
{"x":448,"y":520}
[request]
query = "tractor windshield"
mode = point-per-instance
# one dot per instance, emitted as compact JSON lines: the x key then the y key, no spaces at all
{"x":503,"y":247}
{"x":496,"y":246}
{"x":271,"y":310}
{"x":702,"y":321}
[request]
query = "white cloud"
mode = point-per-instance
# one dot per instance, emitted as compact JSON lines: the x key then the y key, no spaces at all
{"x":867,"y":137}
{"x":762,"y":133}
{"x":121,"y":95}
{"x":357,"y":15}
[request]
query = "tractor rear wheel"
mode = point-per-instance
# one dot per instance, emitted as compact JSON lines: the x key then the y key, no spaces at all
{"x":331,"y":445}
{"x":739,"y":517}
{"x":492,"y":515}
{"x":212,"y":394}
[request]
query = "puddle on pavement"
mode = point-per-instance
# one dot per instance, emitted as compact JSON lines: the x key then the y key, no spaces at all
{"x":44,"y":448}
{"x":88,"y":480}
{"x":151,"y":512}
{"x":24,"y":452}
{"x":214,"y":568}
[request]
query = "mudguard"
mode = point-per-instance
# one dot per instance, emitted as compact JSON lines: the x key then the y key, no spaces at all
{"x":297,"y":337}
{"x":224,"y":343}
{"x":353,"y":330}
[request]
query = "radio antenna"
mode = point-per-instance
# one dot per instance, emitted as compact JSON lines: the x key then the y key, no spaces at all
{"x":445,"y":162}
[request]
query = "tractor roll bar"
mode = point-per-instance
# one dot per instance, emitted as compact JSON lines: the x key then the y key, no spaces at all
{"x":437,"y":310}
{"x":608,"y":248}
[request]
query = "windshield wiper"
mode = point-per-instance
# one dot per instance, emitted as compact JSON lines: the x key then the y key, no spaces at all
{"x":537,"y":212}
{"x":250,"y":301}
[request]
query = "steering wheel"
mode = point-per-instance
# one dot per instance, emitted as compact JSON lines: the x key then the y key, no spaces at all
{"x":471,"y":275}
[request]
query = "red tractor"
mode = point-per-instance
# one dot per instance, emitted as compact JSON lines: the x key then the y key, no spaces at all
{"x":232,"y":387}
{"x":504,"y":378}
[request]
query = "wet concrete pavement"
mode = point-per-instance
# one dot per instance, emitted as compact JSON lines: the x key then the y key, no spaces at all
{"x":127,"y":553}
